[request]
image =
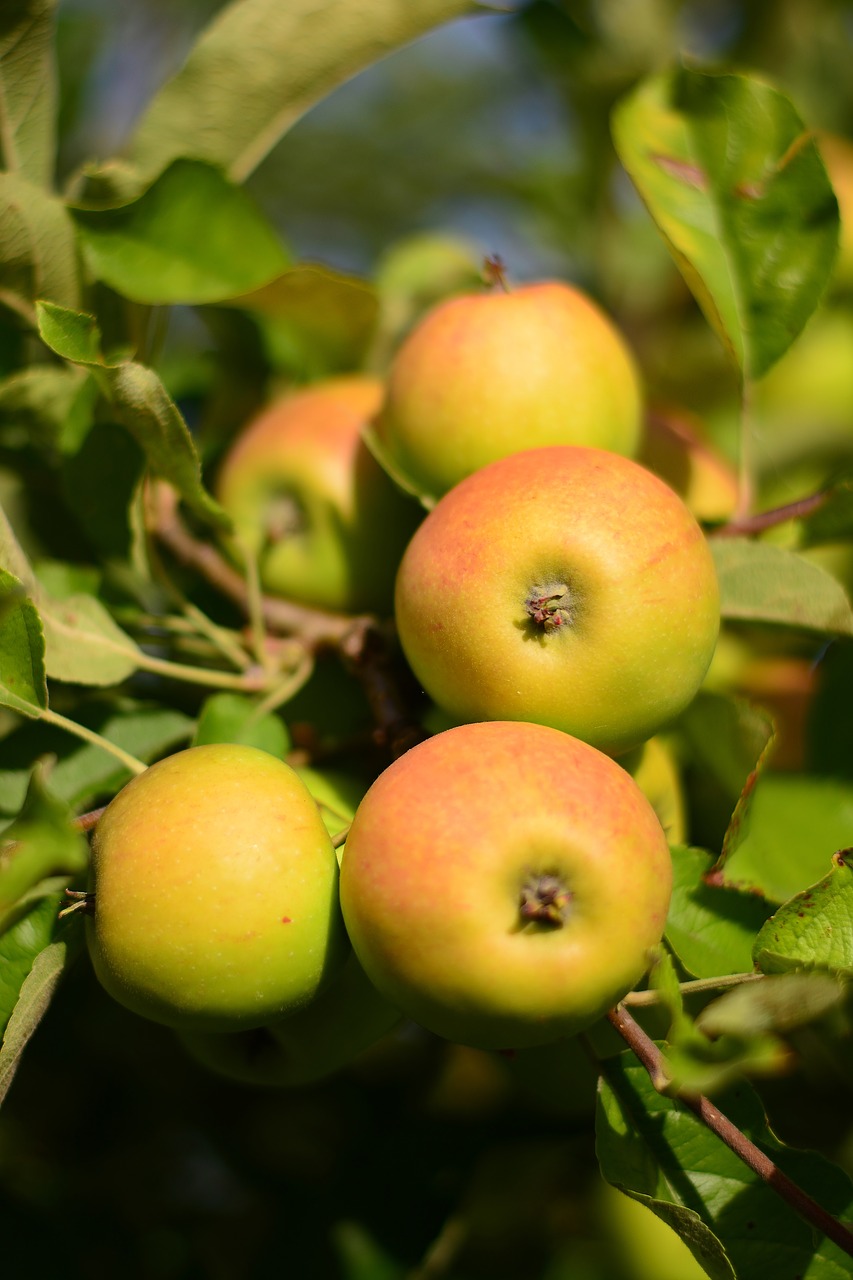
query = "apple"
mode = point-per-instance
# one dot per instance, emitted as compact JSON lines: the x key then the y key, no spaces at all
{"x":309,"y":500}
{"x":486,"y":374}
{"x":504,"y":884}
{"x":215,"y":891}
{"x":654,"y":769}
{"x":837,"y":154}
{"x":564,"y":585}
{"x":343,"y":1020}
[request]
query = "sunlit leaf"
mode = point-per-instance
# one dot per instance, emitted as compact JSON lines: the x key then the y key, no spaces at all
{"x":710,"y":929}
{"x":814,"y":929}
{"x":736,"y":185}
{"x":22,"y":671}
{"x":193,"y":237}
{"x":38,"y":246}
{"x":233,"y":717}
{"x":47,"y":406}
{"x":796,"y":824}
{"x":760,"y":582}
{"x":28,"y":88}
{"x":260,"y":65}
{"x":778,"y":1004}
{"x":656,"y":1150}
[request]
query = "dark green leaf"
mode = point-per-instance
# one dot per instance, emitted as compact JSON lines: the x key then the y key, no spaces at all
{"x":737,"y":188}
{"x":233,"y":717}
{"x":760,"y":582}
{"x":796,"y":823}
{"x":656,"y":1150}
{"x":20,"y":945}
{"x":814,"y":929}
{"x":192,"y":237}
{"x":38,"y":247}
{"x":22,"y":671}
{"x":28,"y":88}
{"x":710,"y":928}
{"x":832,"y":520}
{"x":140,"y":403}
{"x":47,"y":406}
{"x":40,"y":842}
{"x":99,"y":484}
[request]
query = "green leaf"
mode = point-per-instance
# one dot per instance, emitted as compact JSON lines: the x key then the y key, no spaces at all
{"x":47,"y":406}
{"x":776,"y":1004}
{"x":38,"y":247}
{"x":260,"y":65}
{"x":84,"y":773}
{"x":760,"y":582}
{"x":23,"y":686}
{"x":31,"y":966}
{"x":193,"y":237}
{"x":139,"y":402}
{"x":315,"y":321}
{"x":796,"y":823}
{"x":710,"y":928}
{"x":696,"y":1062}
{"x":814,"y":929}
{"x":28,"y":89}
{"x":40,"y":842}
{"x":654,"y":1149}
{"x":233,"y":717}
{"x":739,"y":192}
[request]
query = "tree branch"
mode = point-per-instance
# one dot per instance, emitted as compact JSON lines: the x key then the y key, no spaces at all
{"x":749,"y":525}
{"x":652,"y":1059}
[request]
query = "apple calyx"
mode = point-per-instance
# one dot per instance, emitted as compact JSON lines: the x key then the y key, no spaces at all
{"x":549,"y":607}
{"x":284,"y":517}
{"x":545,"y":899}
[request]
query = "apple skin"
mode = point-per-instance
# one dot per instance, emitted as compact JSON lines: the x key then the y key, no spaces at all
{"x":446,"y":844}
{"x":309,"y":499}
{"x":215,"y":886}
{"x":341,"y":1022}
{"x":484,"y":375}
{"x":643,"y":598}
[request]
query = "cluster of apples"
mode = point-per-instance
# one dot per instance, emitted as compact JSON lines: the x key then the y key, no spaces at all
{"x":505,"y":882}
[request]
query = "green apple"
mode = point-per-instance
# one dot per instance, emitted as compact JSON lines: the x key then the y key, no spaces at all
{"x":310,"y":501}
{"x":343,"y":1020}
{"x":215,"y":892}
{"x":563,"y":585}
{"x":484,"y":375}
{"x":655,"y":771}
{"x":504,"y":884}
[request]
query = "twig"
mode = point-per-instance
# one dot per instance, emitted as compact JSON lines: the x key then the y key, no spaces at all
{"x":369,"y":654}
{"x":314,"y":626}
{"x":87,"y":821}
{"x":639,"y":998}
{"x":652,"y":1059}
{"x":748,"y":525}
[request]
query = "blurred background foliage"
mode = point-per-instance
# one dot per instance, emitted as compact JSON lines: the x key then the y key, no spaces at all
{"x":118,"y":1156}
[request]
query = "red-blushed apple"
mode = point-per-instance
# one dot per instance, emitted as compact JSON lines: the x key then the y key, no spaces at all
{"x":311,"y":502}
{"x":215,"y":892}
{"x":484,"y":375}
{"x":504,"y":884}
{"x":564,"y":585}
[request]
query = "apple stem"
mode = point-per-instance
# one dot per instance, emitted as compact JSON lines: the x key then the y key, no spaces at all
{"x":652,"y":1059}
{"x":546,"y":900}
{"x":494,"y":272}
{"x":83,"y":901}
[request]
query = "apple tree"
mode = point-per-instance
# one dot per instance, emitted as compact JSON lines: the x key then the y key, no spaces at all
{"x":175,"y":574}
